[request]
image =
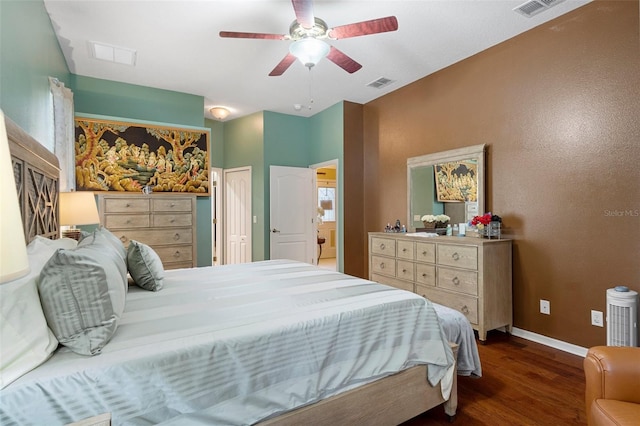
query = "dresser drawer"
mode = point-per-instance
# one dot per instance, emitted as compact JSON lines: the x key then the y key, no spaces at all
{"x":458,"y":280}
{"x":466,"y":304}
{"x":171,"y":205}
{"x":426,"y":274}
{"x":126,"y":205}
{"x":426,"y":252}
{"x":155,"y":237}
{"x":406,"y":250}
{"x":126,"y":221}
{"x":383,"y":265}
{"x":164,"y":220}
{"x":405,"y":270}
{"x":175,"y":254}
{"x":458,"y":256}
{"x":393,"y":282}
{"x":384,"y":246}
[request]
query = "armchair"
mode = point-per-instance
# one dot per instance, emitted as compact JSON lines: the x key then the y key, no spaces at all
{"x":612,"y":385}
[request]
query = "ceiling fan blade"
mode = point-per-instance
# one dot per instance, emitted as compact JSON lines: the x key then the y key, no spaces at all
{"x":304,"y":13}
{"x":343,"y":61}
{"x":234,"y":34}
{"x":374,"y":26}
{"x":284,"y":64}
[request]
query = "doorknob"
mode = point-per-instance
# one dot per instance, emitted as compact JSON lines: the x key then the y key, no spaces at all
{"x":274,"y":230}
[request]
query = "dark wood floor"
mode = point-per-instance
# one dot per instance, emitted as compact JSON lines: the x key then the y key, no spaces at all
{"x":522,"y":383}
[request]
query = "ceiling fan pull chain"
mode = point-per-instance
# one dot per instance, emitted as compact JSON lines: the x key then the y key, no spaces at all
{"x":310,"y":89}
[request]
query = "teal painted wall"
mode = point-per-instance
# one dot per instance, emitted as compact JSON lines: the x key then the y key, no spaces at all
{"x":286,"y":143}
{"x":104,"y":97}
{"x":326,"y":137}
{"x":244,"y":146}
{"x":29,"y":55}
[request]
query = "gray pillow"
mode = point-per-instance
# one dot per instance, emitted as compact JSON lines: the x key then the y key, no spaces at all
{"x":82,"y":292}
{"x":113,"y":248}
{"x":145,"y":266}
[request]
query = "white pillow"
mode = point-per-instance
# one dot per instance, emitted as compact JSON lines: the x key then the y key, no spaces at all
{"x":26,"y":340}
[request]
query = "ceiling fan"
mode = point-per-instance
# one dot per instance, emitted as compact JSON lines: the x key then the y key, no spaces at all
{"x":308,"y":33}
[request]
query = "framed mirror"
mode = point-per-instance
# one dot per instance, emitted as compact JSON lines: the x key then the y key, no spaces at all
{"x":448,"y":182}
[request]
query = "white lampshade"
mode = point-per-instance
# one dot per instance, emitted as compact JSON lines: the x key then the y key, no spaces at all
{"x":13,"y":251}
{"x":309,"y":51}
{"x":78,"y":208}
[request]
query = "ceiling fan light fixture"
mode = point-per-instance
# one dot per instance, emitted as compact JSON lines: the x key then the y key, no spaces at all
{"x":219,"y":113}
{"x":309,"y":51}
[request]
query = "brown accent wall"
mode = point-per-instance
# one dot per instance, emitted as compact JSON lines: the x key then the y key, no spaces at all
{"x":354,"y":255}
{"x":559,"y":109}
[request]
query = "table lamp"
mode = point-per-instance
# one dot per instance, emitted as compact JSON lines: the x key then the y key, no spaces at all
{"x":77,"y":208}
{"x":13,"y":249}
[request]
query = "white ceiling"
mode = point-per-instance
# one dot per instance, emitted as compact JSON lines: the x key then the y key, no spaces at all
{"x":178,"y":46}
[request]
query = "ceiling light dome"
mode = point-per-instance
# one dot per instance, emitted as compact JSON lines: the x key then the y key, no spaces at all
{"x":309,"y":51}
{"x":219,"y":113}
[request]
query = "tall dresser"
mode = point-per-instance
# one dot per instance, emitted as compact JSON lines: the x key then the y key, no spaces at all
{"x":167,"y":223}
{"x":472,"y":275}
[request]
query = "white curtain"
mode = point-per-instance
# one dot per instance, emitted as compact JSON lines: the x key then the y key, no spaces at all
{"x":64,"y":134}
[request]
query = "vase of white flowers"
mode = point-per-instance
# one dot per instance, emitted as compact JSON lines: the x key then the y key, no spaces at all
{"x":437,"y":221}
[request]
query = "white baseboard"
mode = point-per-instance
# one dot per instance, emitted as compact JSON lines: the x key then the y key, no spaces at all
{"x":548,"y":341}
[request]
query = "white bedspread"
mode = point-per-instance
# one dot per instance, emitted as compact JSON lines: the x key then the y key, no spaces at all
{"x":234,"y":345}
{"x":458,"y":330}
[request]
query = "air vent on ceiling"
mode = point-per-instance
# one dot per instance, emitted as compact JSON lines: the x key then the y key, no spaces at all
{"x":534,"y":7}
{"x":380,"y":83}
{"x":107,"y":52}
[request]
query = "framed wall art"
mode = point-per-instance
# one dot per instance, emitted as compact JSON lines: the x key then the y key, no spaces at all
{"x":457,"y":181}
{"x":116,"y":155}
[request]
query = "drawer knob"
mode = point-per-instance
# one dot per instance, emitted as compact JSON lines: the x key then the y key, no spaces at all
{"x":382,"y":265}
{"x":173,"y":204}
{"x":127,"y":205}
{"x":456,"y":281}
{"x":464,"y":310}
{"x":424,"y":253}
{"x":404,"y":271}
{"x":128,"y":221}
{"x":176,"y":254}
{"x":404,"y":250}
{"x":381,"y":246}
{"x":172,"y":220}
{"x":455,"y":256}
{"x":176,"y":237}
{"x":424,"y":275}
{"x":123,"y":239}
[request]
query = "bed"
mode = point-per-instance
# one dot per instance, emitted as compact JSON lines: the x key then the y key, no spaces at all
{"x":273,"y":342}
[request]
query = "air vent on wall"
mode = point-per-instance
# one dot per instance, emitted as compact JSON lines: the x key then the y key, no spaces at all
{"x":380,"y":83}
{"x":534,"y":7}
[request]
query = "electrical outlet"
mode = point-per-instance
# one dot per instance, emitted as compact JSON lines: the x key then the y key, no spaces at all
{"x":416,"y":218}
{"x":545,"y":307}
{"x":597,"y":318}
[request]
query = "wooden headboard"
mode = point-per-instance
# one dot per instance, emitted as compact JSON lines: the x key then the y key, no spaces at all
{"x":36,"y":171}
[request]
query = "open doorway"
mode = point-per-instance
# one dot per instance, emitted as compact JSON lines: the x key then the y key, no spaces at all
{"x":327,"y":211}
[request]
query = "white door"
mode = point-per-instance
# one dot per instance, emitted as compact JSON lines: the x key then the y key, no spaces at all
{"x":292,"y":214}
{"x":216,"y":215}
{"x":237,"y":213}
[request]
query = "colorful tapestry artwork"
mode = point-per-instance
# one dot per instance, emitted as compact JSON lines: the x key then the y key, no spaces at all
{"x":132,"y":157}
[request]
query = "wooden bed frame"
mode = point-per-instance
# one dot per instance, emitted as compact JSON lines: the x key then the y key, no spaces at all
{"x":388,"y":401}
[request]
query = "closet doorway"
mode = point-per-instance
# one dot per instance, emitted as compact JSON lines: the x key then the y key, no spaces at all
{"x":327,"y":211}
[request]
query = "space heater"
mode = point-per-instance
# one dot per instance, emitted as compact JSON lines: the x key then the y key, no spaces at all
{"x":622,"y":317}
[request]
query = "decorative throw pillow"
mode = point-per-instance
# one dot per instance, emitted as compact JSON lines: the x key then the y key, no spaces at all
{"x":102,"y":236}
{"x":26,"y":341}
{"x":83,"y":294}
{"x":145,"y":266}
